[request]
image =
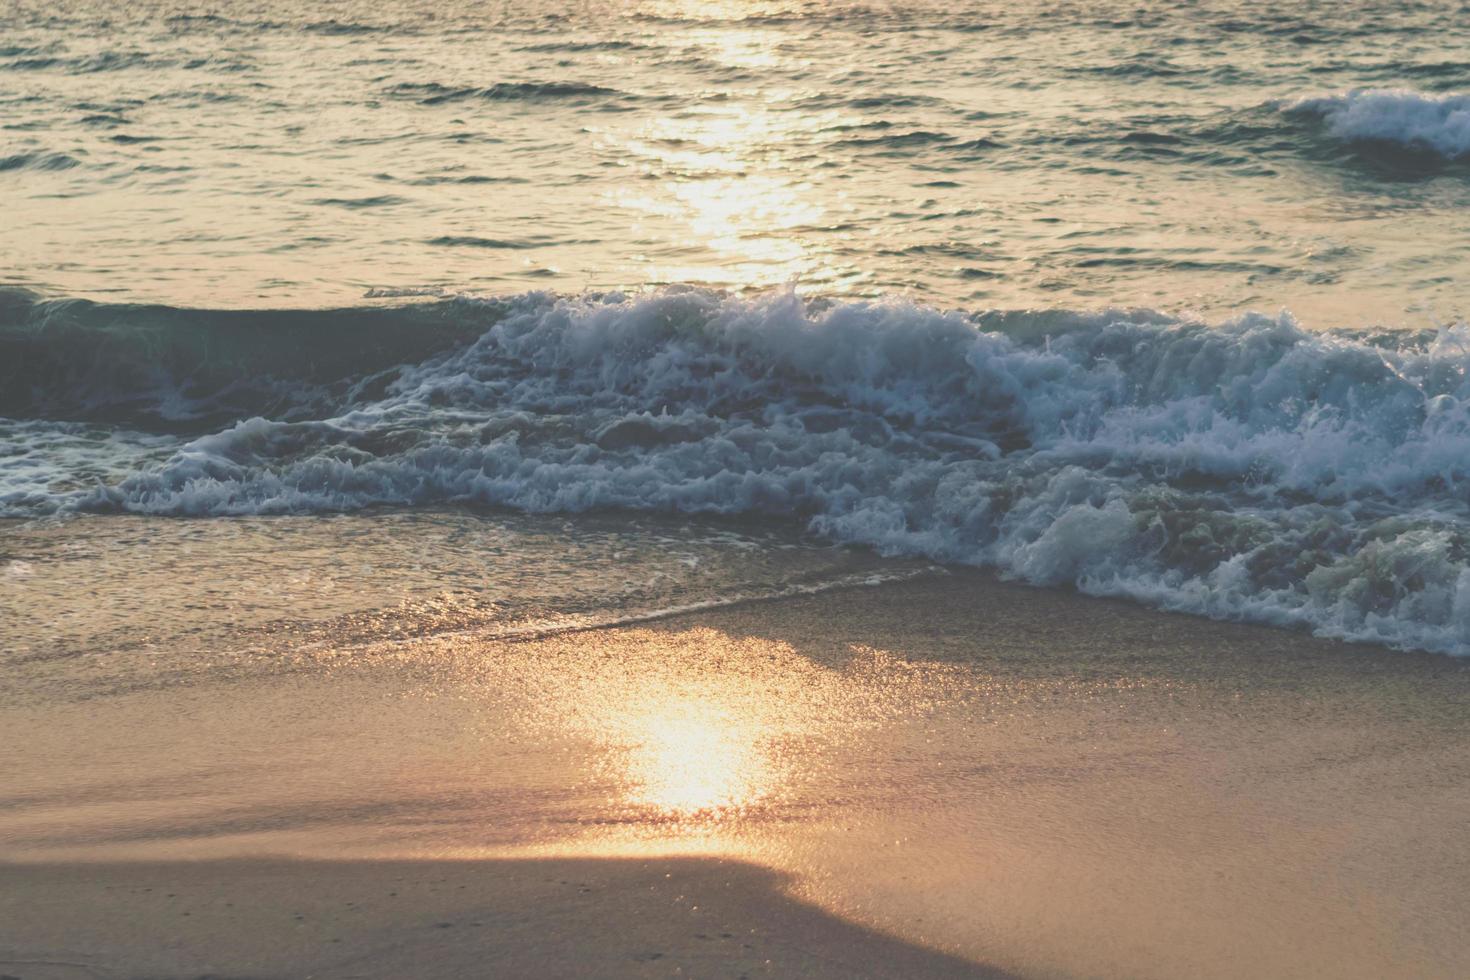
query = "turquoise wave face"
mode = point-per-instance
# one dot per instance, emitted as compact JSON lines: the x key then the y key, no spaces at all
{"x":1249,"y":469}
{"x":167,"y":369}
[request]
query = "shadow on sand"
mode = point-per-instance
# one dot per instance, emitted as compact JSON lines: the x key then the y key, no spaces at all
{"x":427,"y":919}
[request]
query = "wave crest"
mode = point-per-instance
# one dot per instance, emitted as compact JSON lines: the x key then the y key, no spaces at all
{"x":1250,"y":470}
{"x":1438,"y":124}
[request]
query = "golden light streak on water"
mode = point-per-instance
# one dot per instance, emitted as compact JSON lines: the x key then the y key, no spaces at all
{"x":745,"y":208}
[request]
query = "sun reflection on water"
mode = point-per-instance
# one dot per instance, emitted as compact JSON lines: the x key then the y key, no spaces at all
{"x":692,"y":740}
{"x":697,"y":759}
{"x":732,"y":175}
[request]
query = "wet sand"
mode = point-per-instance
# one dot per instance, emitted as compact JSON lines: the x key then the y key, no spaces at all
{"x":923,"y":778}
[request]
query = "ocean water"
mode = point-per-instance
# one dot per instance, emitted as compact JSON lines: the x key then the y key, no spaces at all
{"x":1154,"y":300}
{"x":1213,"y":156}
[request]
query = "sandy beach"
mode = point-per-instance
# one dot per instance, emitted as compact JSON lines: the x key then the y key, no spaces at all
{"x":547,"y":918}
{"x":945,"y":776}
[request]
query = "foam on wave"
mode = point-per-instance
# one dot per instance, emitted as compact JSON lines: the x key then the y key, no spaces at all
{"x":1251,"y":470}
{"x":1439,"y":124}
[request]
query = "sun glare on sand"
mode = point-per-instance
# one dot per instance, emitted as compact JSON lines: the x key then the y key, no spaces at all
{"x":694,"y":735}
{"x":695,"y":757}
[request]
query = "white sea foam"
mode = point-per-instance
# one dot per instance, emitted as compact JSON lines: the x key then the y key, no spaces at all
{"x":1437,"y":123}
{"x":1250,"y":470}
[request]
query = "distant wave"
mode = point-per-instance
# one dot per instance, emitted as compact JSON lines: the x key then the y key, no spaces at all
{"x":110,"y":61}
{"x":1251,"y":470}
{"x":580,"y":47}
{"x":1438,"y":124}
{"x":897,"y":140}
{"x":432,"y":93}
{"x":39,"y":161}
{"x":475,"y":241}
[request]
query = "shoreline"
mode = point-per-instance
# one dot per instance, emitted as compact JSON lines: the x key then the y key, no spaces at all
{"x":1041,"y":782}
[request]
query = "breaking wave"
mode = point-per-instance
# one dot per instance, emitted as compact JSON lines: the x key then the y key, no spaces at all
{"x":1250,"y":470}
{"x":1436,"y":124}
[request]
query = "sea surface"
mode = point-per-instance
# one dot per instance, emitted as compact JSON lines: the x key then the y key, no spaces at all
{"x":509,"y":315}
